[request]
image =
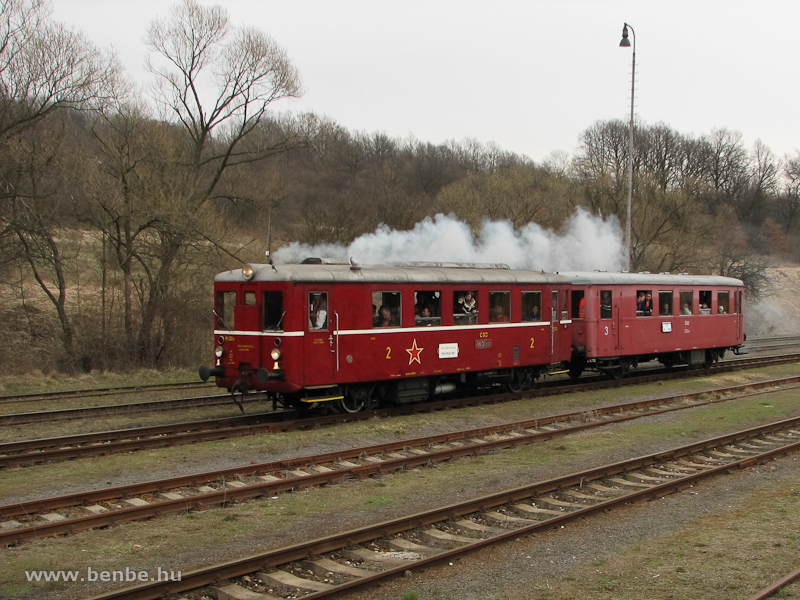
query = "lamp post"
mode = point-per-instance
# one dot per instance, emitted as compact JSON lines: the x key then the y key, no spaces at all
{"x":625,"y":43}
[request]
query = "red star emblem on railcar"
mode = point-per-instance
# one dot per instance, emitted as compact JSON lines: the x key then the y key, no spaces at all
{"x":414,"y":352}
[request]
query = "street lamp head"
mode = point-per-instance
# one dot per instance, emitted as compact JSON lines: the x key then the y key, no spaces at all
{"x":625,"y":43}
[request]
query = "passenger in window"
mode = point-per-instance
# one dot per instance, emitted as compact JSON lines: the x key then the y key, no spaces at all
{"x":467,"y":305}
{"x":533,"y":315}
{"x":685,"y":310}
{"x":384,"y":318}
{"x":648,"y":303}
{"x":665,"y":309}
{"x":640,"y":303}
{"x":721,"y":309}
{"x":581,"y":308}
{"x":499,"y":315}
{"x":424,"y":317}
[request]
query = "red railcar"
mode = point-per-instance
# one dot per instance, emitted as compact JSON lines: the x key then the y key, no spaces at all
{"x":355,"y":337}
{"x":622,"y":319}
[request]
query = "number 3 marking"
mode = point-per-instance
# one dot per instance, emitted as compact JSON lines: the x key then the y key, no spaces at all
{"x":606,"y":328}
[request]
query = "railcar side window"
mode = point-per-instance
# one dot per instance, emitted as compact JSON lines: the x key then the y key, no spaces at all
{"x":723,"y":302}
{"x":226,"y":301}
{"x":605,"y":304}
{"x":427,"y":308}
{"x":273,"y":311}
{"x":465,"y":308}
{"x":578,"y":304}
{"x":500,"y":307}
{"x":705,"y":302}
{"x":531,"y":306}
{"x":317,"y":311}
{"x":686,"y":303}
{"x":665,"y":304}
{"x":386,"y":309}
{"x":644,"y":303}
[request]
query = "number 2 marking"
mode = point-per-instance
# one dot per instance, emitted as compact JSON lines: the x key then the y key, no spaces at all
{"x":531,"y":343}
{"x":388,"y":352}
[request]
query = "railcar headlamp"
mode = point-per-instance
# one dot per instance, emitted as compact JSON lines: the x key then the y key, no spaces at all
{"x":247,"y":272}
{"x":275,"y":354}
{"x":219,"y":351}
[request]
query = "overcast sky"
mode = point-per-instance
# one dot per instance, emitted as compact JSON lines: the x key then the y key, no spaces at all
{"x":528,"y":75}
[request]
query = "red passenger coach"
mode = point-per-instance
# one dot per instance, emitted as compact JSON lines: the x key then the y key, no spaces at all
{"x":622,"y":319}
{"x":351,"y":337}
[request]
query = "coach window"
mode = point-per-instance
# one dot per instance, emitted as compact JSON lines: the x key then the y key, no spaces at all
{"x":531,"y":306}
{"x":578,"y":304}
{"x":686,"y":303}
{"x":665,"y":304}
{"x":644,"y":303}
{"x":427,"y":308}
{"x":386,"y":309}
{"x":499,"y":307}
{"x":317,"y":311}
{"x":705,"y":302}
{"x":723,"y":302}
{"x":605,"y":304}
{"x":225,"y":303}
{"x":273,"y":311}
{"x":465,"y":307}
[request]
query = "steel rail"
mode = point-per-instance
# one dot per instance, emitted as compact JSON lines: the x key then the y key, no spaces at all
{"x":29,"y":452}
{"x":272,"y":559}
{"x":516,"y":433}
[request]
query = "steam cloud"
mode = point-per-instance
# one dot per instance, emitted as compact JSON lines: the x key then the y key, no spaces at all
{"x":585,"y":243}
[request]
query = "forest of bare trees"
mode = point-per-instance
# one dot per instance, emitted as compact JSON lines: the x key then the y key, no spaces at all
{"x":118,"y":205}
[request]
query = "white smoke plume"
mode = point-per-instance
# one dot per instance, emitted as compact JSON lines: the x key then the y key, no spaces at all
{"x":585,"y":243}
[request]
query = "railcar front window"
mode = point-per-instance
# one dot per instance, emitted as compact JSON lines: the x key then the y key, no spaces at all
{"x":386,"y":309}
{"x":427,"y":308}
{"x":665,"y":304}
{"x":499,"y":307}
{"x":226,"y":301}
{"x":605,"y":304}
{"x":723,"y":303}
{"x":531,"y":306}
{"x":318,"y":311}
{"x":273,"y":311}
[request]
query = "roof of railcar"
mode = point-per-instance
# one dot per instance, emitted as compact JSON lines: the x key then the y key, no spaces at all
{"x":654,"y":279}
{"x":406,"y":273}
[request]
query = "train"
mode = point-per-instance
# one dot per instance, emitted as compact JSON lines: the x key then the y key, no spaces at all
{"x":339,"y":336}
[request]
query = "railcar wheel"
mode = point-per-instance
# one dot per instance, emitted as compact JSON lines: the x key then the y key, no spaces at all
{"x":521,"y":380}
{"x":355,"y":399}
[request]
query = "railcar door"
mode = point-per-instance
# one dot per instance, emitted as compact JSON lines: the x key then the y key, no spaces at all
{"x":322,"y":343}
{"x":248,"y":327}
{"x":608,"y":325}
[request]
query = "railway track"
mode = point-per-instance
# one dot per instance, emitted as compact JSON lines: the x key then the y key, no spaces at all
{"x":107,"y":391}
{"x":136,"y":408}
{"x":40,"y":451}
{"x":365,"y":556}
{"x":66,"y":514}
